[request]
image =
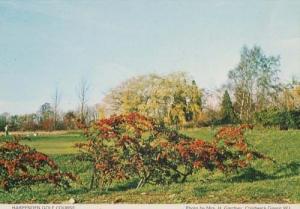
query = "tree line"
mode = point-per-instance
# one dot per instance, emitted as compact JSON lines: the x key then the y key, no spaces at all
{"x":49,"y":117}
{"x":253,"y":93}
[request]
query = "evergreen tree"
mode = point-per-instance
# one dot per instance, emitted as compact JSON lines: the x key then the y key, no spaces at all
{"x":227,"y":111}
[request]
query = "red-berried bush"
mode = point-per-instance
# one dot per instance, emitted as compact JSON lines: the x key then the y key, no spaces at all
{"x":237,"y":153}
{"x":128,"y":146}
{"x":21,"y":165}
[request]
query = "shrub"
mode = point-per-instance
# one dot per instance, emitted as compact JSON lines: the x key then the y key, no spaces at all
{"x":21,"y":165}
{"x":126,"y":146}
{"x":236,"y":152}
{"x":284,"y":119}
{"x":129,"y":145}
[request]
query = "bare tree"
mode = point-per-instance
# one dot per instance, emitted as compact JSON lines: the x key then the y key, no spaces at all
{"x":56,"y":102}
{"x":82,"y":91}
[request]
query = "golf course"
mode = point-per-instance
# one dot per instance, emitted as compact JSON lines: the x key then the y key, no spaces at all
{"x":263,"y":182}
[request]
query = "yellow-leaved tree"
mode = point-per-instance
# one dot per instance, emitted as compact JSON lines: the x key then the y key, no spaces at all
{"x":290,"y":98}
{"x":174,"y":98}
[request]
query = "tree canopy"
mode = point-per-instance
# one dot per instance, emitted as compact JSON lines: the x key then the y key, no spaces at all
{"x":227,"y":111}
{"x":254,"y":81}
{"x":174,"y":98}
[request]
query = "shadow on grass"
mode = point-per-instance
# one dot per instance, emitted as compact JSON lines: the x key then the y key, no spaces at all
{"x":78,"y":191}
{"x":288,"y":170}
{"x":130,"y":184}
{"x":249,"y":175}
{"x":283,"y":171}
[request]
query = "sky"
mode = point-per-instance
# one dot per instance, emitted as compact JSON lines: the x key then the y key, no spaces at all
{"x":46,"y":45}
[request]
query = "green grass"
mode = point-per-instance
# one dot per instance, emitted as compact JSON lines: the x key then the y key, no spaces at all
{"x":55,"y":145}
{"x":264,"y":182}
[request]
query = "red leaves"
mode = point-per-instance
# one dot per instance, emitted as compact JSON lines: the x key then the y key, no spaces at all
{"x":234,"y":148}
{"x":246,"y":126}
{"x":200,"y":154}
{"x":183,"y":149}
{"x":14,"y":146}
{"x":230,"y":134}
{"x":197,"y":164}
{"x":20,"y":165}
{"x":8,"y":165}
{"x":101,"y":166}
{"x":132,"y":145}
{"x":108,"y":127}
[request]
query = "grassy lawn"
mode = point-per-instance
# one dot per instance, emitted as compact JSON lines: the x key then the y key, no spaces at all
{"x":56,"y":144}
{"x":264,"y":182}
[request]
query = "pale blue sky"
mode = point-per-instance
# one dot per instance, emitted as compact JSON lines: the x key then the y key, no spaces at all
{"x":49,"y":44}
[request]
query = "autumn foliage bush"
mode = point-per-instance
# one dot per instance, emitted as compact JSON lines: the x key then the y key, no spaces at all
{"x":128,"y":146}
{"x":21,"y":165}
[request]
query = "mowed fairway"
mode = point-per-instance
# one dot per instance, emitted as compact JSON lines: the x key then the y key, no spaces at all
{"x":55,"y":144}
{"x":264,"y":182}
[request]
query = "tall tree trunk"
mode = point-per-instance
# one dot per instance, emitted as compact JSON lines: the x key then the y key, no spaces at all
{"x":242,"y":107}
